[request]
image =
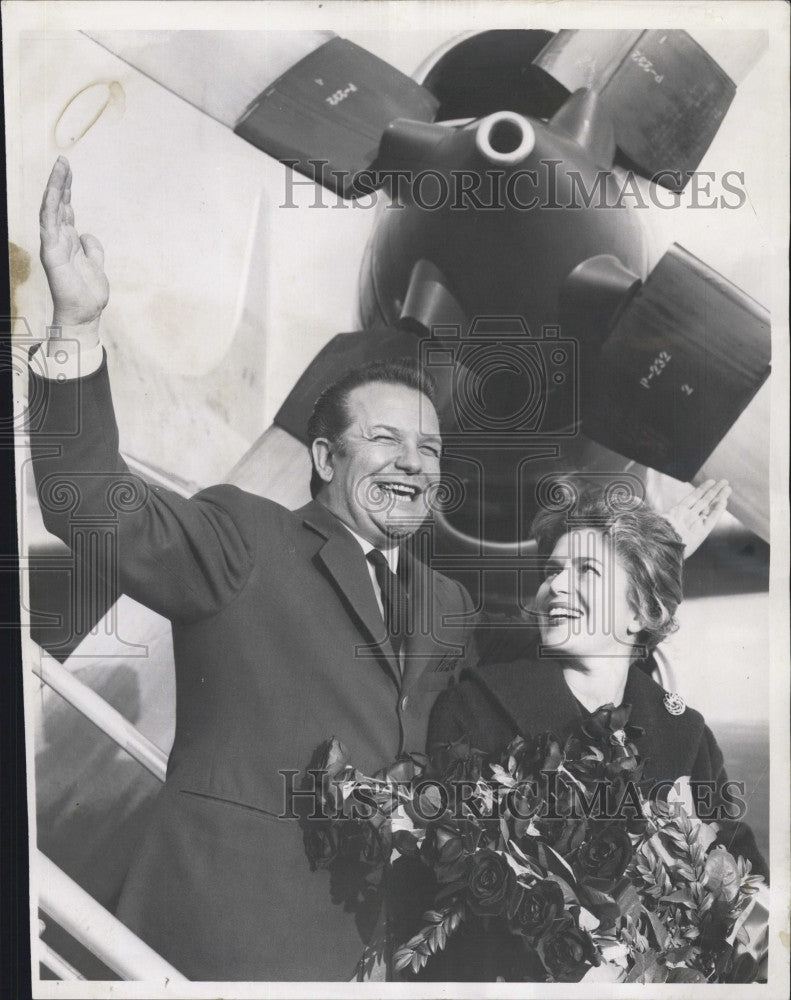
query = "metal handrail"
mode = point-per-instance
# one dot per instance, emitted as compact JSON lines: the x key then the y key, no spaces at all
{"x":55,"y":963}
{"x":104,"y":716}
{"x":98,"y":930}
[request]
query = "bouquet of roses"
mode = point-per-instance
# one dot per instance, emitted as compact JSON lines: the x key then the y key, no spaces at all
{"x":556,"y":853}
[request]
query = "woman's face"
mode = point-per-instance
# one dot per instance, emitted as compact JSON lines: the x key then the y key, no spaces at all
{"x":583,"y":601}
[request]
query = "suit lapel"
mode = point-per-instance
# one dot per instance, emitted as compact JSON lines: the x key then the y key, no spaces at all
{"x":344,"y":561}
{"x":422,"y":647}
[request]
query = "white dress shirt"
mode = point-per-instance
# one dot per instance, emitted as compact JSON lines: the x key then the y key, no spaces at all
{"x":391,"y":555}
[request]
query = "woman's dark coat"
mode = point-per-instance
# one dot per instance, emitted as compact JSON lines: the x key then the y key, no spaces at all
{"x":492,"y":705}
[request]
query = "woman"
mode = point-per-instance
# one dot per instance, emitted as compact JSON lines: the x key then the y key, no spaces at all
{"x":611,"y":587}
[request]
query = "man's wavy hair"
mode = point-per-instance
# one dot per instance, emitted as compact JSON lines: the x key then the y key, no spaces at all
{"x":646,"y":544}
{"x":330,"y":416}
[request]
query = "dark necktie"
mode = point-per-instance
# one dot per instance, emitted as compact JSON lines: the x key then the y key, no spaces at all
{"x":395,"y":600}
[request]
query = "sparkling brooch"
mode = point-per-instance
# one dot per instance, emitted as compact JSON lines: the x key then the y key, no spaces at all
{"x":674,"y":703}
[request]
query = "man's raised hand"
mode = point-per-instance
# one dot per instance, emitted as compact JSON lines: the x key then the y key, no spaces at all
{"x":74,"y":264}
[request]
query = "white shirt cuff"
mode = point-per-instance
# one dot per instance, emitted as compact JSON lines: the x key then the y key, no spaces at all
{"x":69,"y":362}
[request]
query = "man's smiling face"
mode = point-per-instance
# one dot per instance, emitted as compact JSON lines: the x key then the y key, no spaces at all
{"x":383,"y":464}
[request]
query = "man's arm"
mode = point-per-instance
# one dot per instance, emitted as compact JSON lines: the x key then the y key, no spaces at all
{"x":183,"y":558}
{"x":74,"y":266}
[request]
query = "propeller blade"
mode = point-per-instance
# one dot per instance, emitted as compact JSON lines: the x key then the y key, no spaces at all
{"x":217,"y":72}
{"x":312,"y":100}
{"x":686,"y":355}
{"x":665,"y":94}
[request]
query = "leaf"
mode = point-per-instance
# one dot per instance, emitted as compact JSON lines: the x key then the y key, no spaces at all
{"x":606,"y":972}
{"x":681,"y":896}
{"x":587,"y":921}
{"x":562,"y":860}
{"x":402,"y":959}
{"x":721,"y":875}
{"x":405,"y":843}
{"x":680,"y":955}
{"x":647,"y":969}
{"x":448,"y":891}
{"x":521,"y":856}
{"x":517,"y":868}
{"x":595,"y":896}
{"x":683,"y":974}
{"x":628,"y":901}
{"x":685,"y":872}
{"x":742,"y":936}
{"x":569,"y":896}
{"x":659,"y":929}
{"x":501,"y":775}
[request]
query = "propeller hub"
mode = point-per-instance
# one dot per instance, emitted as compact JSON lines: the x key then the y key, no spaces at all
{"x":505,"y":138}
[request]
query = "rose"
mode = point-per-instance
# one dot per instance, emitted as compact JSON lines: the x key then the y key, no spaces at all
{"x":563,"y":835}
{"x":606,"y":720}
{"x":443,"y":850}
{"x":560,"y":824}
{"x":531,"y":758}
{"x":329,"y":766}
{"x":404,"y":770}
{"x":603,"y":858}
{"x":456,"y":761}
{"x":524,"y":802}
{"x":322,"y":843}
{"x":608,"y":729}
{"x":567,"y":952}
{"x":547,"y":753}
{"x":538,"y":908}
{"x":331,"y":757}
{"x":491,"y":883}
{"x":360,"y":841}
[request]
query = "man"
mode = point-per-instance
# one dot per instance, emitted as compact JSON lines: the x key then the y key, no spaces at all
{"x":288,"y":629}
{"x":279,"y":637}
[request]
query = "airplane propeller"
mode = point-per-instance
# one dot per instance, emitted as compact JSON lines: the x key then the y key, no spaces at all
{"x":657,"y":364}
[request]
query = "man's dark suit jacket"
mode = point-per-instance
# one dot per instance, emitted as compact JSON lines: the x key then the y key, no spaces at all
{"x":279,"y":644}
